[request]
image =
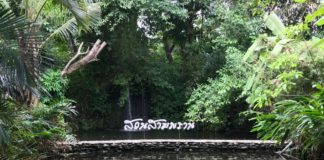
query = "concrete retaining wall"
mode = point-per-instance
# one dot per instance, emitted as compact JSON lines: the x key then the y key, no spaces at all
{"x":166,"y":145}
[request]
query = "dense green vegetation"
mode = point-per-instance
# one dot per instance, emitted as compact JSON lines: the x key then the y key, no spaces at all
{"x":224,"y":64}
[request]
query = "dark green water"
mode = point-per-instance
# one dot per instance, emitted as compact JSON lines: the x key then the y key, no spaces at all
{"x":193,"y":134}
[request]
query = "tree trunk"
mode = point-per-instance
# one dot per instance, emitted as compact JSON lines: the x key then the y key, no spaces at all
{"x":168,"y":49}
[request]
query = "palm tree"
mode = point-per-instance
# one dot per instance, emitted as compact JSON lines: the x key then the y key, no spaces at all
{"x":21,"y":43}
{"x":13,"y":73}
{"x":13,"y":76}
{"x":20,"y":51}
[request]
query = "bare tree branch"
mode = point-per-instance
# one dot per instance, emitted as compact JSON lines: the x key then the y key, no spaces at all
{"x":90,"y":56}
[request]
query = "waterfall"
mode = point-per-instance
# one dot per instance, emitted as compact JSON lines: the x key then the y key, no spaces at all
{"x":144,"y":112}
{"x":135,"y":106}
{"x":129,"y":105}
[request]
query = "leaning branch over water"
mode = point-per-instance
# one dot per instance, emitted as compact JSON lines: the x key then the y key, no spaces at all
{"x":91,"y":55}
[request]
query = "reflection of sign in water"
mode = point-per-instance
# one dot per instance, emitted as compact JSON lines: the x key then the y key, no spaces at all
{"x":159,"y":124}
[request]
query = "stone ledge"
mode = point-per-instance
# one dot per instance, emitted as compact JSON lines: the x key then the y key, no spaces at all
{"x":166,"y":145}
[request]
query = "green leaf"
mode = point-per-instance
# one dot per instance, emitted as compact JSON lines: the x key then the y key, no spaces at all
{"x":318,"y":44}
{"x":279,"y":46}
{"x":274,"y":23}
{"x":319,"y":12}
{"x":318,"y":86}
{"x":249,"y":55}
{"x":320,"y":22}
{"x":300,"y":1}
{"x":85,"y":17}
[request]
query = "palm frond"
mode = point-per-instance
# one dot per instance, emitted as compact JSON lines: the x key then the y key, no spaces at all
{"x":18,"y":55}
{"x":14,"y":79}
{"x":85,"y":16}
{"x":67,"y":30}
{"x":9,"y":22}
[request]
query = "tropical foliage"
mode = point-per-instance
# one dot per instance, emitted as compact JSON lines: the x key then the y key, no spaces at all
{"x":219,"y":101}
{"x":33,"y":105}
{"x":216,"y":62}
{"x":281,"y":78}
{"x":285,"y":70}
{"x":30,"y":132}
{"x":298,"y":121}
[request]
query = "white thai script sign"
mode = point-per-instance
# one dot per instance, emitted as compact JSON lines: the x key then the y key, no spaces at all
{"x":159,"y":124}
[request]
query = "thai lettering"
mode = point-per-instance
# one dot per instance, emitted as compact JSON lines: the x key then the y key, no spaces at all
{"x":159,"y":124}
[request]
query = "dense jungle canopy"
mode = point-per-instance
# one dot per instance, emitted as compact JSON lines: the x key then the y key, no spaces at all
{"x":74,"y":65}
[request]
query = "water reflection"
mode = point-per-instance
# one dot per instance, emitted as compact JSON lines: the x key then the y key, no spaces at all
{"x":221,"y":155}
